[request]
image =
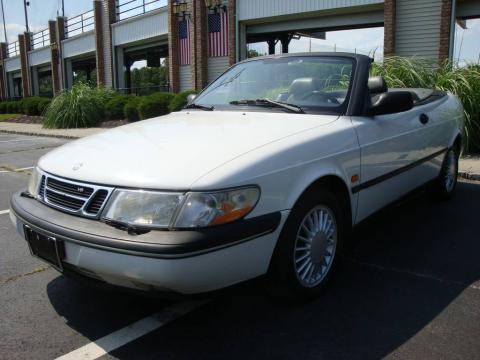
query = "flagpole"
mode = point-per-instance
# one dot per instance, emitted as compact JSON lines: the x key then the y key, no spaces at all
{"x":4,"y":26}
{"x":26,"y":15}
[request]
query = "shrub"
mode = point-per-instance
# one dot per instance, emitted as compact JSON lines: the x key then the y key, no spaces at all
{"x":463,"y":82}
{"x":3,"y":108}
{"x":81,"y":106}
{"x":130,"y":110}
{"x":155,"y":105}
{"x":114,"y":107}
{"x":180,"y":100}
{"x":35,"y":105}
{"x":14,"y":107}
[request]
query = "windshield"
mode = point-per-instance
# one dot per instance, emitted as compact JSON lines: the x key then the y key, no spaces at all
{"x":311,"y":83}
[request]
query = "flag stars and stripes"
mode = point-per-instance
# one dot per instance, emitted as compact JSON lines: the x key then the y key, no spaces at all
{"x":184,"y":36}
{"x":218,"y":34}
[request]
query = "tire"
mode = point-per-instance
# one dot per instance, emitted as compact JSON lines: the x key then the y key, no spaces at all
{"x":290,"y":277}
{"x":446,"y":183}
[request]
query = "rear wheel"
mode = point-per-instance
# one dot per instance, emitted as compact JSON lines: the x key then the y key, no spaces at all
{"x":447,"y":181}
{"x":308,"y":248}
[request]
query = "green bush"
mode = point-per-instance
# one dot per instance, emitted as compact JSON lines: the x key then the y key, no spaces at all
{"x":130,"y":110}
{"x":463,"y":82}
{"x":155,"y":105}
{"x":114,"y":107}
{"x":180,"y":100}
{"x":3,"y":108}
{"x":14,"y":107}
{"x":35,"y":105}
{"x":81,"y":106}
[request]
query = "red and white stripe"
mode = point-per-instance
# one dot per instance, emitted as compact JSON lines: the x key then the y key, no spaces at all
{"x":218,"y":41}
{"x":185,"y":47}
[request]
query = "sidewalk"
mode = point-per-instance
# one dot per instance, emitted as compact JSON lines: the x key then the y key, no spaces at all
{"x":36,"y":129}
{"x":469,"y":167}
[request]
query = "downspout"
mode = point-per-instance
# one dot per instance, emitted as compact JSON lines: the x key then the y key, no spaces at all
{"x":451,"y":44}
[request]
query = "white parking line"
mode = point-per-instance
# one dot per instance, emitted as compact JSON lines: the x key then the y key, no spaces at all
{"x":17,"y":170}
{"x":2,"y":212}
{"x":131,"y":332}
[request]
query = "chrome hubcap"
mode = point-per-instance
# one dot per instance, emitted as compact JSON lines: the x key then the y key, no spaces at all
{"x":450,"y":171}
{"x":315,"y":246}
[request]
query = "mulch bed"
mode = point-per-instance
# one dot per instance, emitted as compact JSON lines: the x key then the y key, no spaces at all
{"x":26,"y":119}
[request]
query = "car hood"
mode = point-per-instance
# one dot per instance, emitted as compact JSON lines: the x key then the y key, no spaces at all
{"x":171,"y":152}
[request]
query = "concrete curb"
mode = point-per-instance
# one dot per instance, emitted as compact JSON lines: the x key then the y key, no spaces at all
{"x":469,"y":176}
{"x":59,"y":136}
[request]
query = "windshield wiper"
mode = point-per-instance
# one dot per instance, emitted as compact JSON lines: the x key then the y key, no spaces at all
{"x":263,"y":102}
{"x":198,"y":106}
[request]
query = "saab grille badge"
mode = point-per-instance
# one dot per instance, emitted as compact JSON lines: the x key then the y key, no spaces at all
{"x":77,"y":166}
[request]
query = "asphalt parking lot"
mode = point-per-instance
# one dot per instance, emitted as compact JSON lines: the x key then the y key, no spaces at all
{"x":409,"y":288}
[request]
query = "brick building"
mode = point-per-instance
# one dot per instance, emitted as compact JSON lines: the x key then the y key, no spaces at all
{"x":199,"y":39}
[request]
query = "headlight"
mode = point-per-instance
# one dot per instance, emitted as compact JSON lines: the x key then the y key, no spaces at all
{"x":34,"y":182}
{"x":175,"y":210}
{"x":216,"y":208}
{"x":142,"y":208}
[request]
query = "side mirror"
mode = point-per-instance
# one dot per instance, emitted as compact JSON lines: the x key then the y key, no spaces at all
{"x":190,"y":98}
{"x":391,"y":103}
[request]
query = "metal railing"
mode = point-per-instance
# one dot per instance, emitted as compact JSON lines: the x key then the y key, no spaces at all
{"x":130,"y":8}
{"x":13,"y":49}
{"x":79,"y":24}
{"x":144,"y":90}
{"x":40,"y":39}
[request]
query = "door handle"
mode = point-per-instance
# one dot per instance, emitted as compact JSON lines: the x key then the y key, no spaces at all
{"x":424,"y":118}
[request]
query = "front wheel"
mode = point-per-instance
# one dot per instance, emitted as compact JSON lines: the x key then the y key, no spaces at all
{"x":447,"y":180}
{"x":308,"y":248}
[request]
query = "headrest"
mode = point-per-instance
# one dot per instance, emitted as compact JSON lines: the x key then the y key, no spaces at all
{"x":303,"y":86}
{"x":377,"y":85}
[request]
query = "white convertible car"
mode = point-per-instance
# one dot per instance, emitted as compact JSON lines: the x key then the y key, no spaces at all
{"x":265,"y":172}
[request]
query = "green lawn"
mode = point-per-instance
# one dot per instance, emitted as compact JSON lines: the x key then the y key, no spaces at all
{"x":4,"y":117}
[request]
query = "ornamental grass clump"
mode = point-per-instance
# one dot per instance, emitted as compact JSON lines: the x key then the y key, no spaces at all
{"x":463,"y":82}
{"x":80,"y":107}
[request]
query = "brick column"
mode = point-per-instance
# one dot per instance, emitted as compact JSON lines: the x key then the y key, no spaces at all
{"x":24,"y":41}
{"x":3,"y":85}
{"x":57,"y":71}
{"x":200,"y":79}
{"x":173,"y":50}
{"x":389,"y":12}
{"x":104,"y":12}
{"x":232,"y":31}
{"x":54,"y":55}
{"x":445,"y":31}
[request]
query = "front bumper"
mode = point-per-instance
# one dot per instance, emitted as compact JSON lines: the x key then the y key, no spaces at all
{"x":186,"y":262}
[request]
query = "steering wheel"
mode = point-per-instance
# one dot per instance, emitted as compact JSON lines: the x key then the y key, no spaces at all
{"x":328,"y":97}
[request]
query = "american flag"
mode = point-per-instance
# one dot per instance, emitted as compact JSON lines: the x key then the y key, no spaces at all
{"x":184,"y":35}
{"x":218,"y":34}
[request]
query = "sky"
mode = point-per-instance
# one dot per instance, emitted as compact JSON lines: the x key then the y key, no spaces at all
{"x":363,"y":41}
{"x":39,"y":12}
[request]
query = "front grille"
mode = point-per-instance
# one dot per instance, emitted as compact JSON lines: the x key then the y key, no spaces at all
{"x":78,"y":198}
{"x":41,"y":191}
{"x":68,"y":188}
{"x":97,"y":202}
{"x":63,"y":200}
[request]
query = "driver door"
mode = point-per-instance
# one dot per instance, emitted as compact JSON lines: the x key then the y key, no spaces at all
{"x":392,"y":150}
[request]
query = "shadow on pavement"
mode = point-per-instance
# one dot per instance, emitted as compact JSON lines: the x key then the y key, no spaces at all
{"x":405,"y":267}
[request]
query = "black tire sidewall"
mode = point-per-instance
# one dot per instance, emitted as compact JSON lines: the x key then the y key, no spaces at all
{"x":441,"y":189}
{"x":283,"y":278}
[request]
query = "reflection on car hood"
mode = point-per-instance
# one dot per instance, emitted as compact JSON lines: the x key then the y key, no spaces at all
{"x":171,"y":152}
